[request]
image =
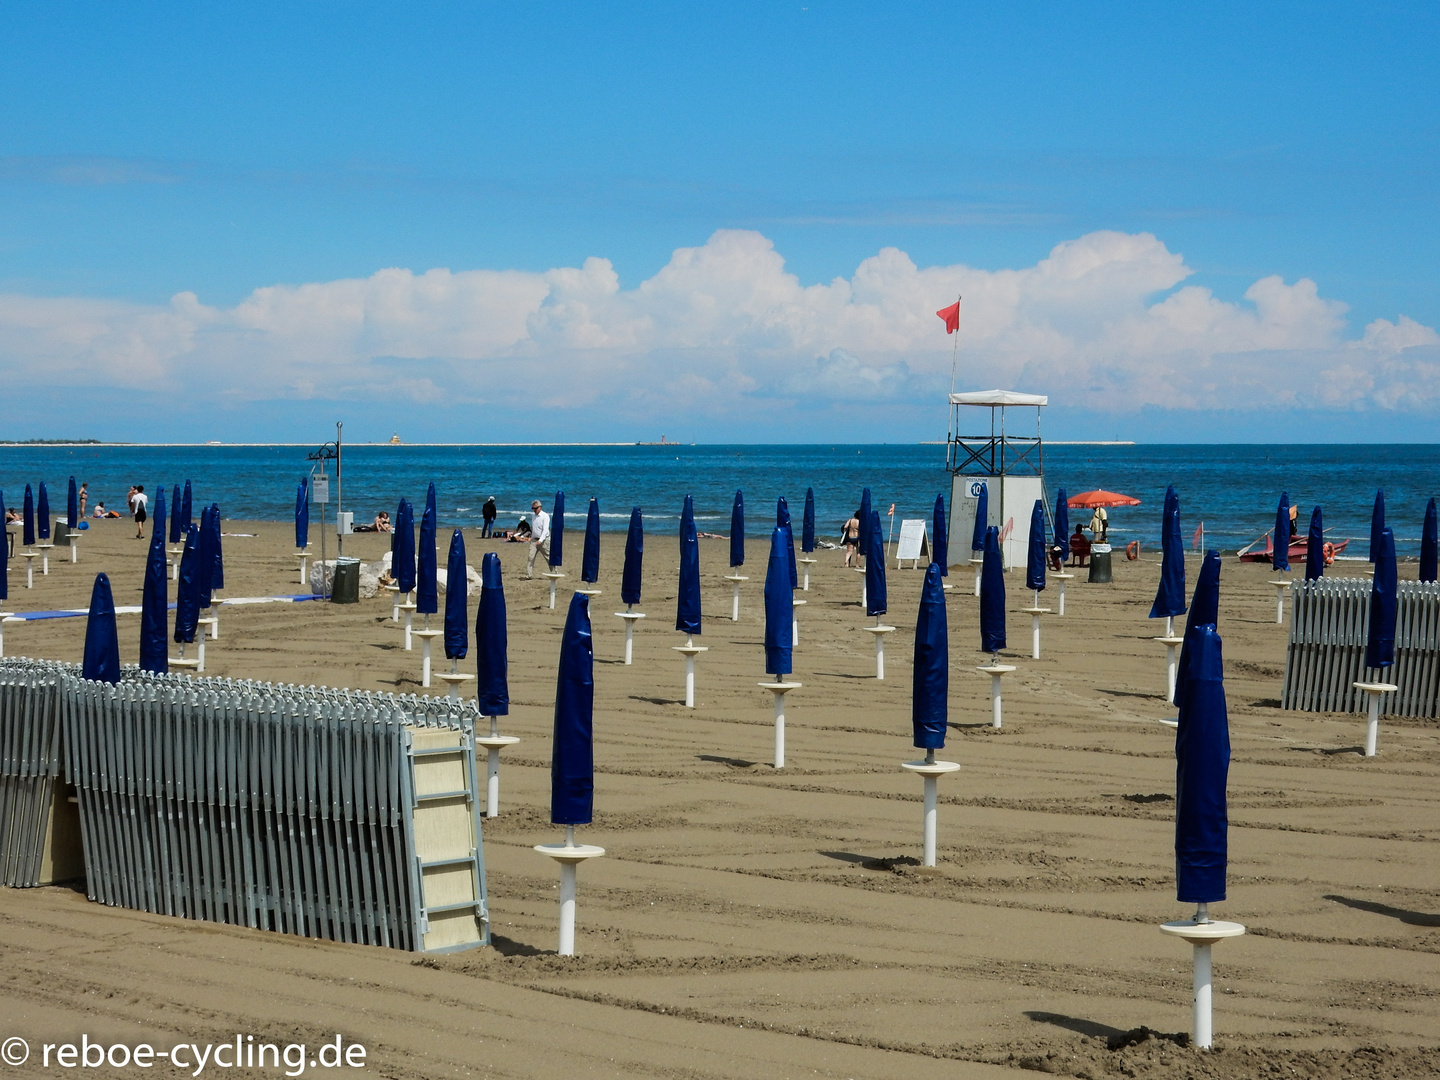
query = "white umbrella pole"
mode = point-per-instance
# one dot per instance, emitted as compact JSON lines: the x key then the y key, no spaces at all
{"x":1202,"y":932}
{"x":568,"y":855}
{"x":931,"y":771}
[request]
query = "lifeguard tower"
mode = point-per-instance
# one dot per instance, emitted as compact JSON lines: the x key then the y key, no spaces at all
{"x":1011,"y":466}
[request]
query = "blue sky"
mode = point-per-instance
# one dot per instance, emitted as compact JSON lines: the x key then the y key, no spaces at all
{"x":217,"y":150}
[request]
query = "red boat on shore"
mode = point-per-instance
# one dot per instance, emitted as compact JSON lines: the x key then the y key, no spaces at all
{"x":1299,"y":548}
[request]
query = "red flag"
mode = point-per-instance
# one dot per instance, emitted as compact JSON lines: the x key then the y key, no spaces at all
{"x":951,"y":315}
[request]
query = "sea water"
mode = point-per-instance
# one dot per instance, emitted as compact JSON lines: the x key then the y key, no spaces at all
{"x":1231,"y":489}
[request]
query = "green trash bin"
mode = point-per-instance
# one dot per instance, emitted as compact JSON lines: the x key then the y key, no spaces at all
{"x":1099,"y":564}
{"x":345,"y":586}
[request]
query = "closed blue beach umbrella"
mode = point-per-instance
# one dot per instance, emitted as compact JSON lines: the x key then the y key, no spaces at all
{"x":877,"y":601}
{"x":1204,"y":611}
{"x":779,"y":607}
{"x":1428,"y":550}
{"x":42,"y":512}
{"x":930,"y":697}
{"x":992,"y":594}
{"x":1280,"y":556}
{"x":177,"y":527}
{"x":1315,"y":547}
{"x":157,"y":520}
{"x":1062,"y":521}
{"x":204,"y":559}
{"x":1035,"y":549}
{"x":72,"y":505}
{"x":1202,"y":767}
{"x":102,"y":640}
{"x":492,"y":641}
{"x":402,"y":548}
{"x":807,"y":523}
{"x":634,"y":559}
{"x":217,"y":553}
{"x":982,"y":518}
{"x":737,"y":530}
{"x":864,"y":515}
{"x":302,"y":513}
{"x":1380,"y":637}
{"x":687,"y":604}
{"x":427,"y":580}
{"x":28,"y":518}
{"x":457,"y":614}
{"x":1377,"y":523}
{"x":187,"y":590}
{"x":590,"y":554}
{"x":782,"y":520}
{"x":557,"y":532}
{"x":154,"y":603}
{"x":187,"y":507}
{"x":940,"y":537}
{"x":1170,"y":592}
{"x":572,"y":764}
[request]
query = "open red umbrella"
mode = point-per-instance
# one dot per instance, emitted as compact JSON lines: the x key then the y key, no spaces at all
{"x":1100,"y":497}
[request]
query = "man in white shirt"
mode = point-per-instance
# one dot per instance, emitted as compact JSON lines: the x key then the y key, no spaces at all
{"x":539,"y":537}
{"x":138,"y":501}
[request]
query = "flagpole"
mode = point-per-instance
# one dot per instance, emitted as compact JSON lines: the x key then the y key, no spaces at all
{"x":955,"y":352}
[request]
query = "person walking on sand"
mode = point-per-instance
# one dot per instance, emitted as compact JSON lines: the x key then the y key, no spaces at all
{"x":138,"y":502}
{"x":850,"y":539}
{"x":539,"y":537}
{"x":487,"y":514}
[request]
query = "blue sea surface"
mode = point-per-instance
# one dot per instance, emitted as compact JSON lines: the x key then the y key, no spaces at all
{"x":1232,"y":489}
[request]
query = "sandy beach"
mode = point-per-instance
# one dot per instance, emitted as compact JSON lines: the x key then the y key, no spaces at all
{"x":753,"y":923}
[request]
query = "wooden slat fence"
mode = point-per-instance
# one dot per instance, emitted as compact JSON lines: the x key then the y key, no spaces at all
{"x":1329,"y":620}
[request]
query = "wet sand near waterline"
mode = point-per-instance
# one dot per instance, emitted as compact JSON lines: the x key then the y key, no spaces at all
{"x":749,"y":923}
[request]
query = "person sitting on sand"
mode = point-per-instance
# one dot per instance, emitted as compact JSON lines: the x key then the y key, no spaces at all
{"x":101,"y":512}
{"x":518,"y":535}
{"x":12,"y":516}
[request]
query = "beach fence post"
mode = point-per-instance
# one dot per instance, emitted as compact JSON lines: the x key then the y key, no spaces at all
{"x":690,"y":650}
{"x":996,"y":673}
{"x":630,"y":618}
{"x":735,"y":580}
{"x":931,"y":770}
{"x":1202,"y":933}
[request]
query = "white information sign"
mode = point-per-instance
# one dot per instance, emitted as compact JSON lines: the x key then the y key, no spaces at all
{"x":320,"y":489}
{"x":913,"y":541}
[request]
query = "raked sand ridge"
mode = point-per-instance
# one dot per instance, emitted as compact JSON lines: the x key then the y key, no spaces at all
{"x":749,"y":923}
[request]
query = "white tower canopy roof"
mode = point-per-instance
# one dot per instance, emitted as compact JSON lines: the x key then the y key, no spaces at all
{"x":998,"y":397}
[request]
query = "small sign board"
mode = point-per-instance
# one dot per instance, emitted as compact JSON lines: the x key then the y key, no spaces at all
{"x":972,"y":488}
{"x":320,"y":488}
{"x":913,"y":542}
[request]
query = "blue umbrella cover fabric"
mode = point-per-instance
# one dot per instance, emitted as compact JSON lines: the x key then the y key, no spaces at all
{"x":427,"y":580}
{"x":687,"y":603}
{"x":1380,"y":636}
{"x":557,"y":532}
{"x":1428,"y":544}
{"x":864,"y":516}
{"x":782,"y":519}
{"x":572,"y":764}
{"x":28,"y":518}
{"x":102,"y":641}
{"x":590,"y":554}
{"x":157,"y":520}
{"x":940,"y":537}
{"x":187,"y":507}
{"x":154,"y":603}
{"x":72,"y":505}
{"x":492,"y":642}
{"x":992,"y":594}
{"x":457,"y":614}
{"x":1377,"y":522}
{"x":1035,"y":550}
{"x":982,"y":518}
{"x":187,"y":590}
{"x":217,"y":553}
{"x":930,"y":694}
{"x":302,"y":513}
{"x":877,"y":601}
{"x":1170,"y":592}
{"x":402,"y":548}
{"x":634,"y":558}
{"x":177,"y":527}
{"x":42,"y":512}
{"x":1204,"y":611}
{"x":779,"y":607}
{"x":1315,"y":547}
{"x":1202,"y":767}
{"x":204,"y":560}
{"x":1280,"y":556}
{"x":737,"y":530}
{"x":807,"y":523}
{"x":1062,"y":521}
